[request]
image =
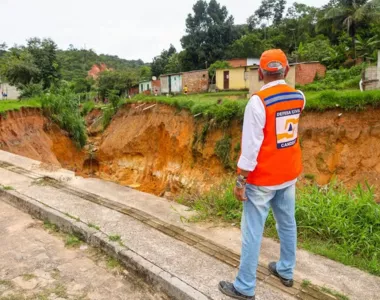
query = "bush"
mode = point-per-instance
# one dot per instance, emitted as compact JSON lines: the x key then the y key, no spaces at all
{"x":338,"y":79}
{"x":87,"y":107}
{"x":62,"y":107}
{"x":31,"y":90}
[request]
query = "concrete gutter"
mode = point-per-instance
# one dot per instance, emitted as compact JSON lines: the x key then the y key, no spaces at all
{"x":152,"y":274}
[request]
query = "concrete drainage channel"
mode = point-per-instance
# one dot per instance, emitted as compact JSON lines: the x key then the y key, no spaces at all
{"x":153,"y":274}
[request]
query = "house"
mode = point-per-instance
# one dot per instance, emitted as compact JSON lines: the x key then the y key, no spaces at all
{"x":236,"y":77}
{"x":145,"y":85}
{"x":196,"y":81}
{"x":299,"y":74}
{"x":150,"y":87}
{"x":133,"y":91}
{"x":171,"y":83}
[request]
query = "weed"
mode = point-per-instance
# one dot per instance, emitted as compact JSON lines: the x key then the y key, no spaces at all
{"x":305,"y":283}
{"x":218,"y":202}
{"x":60,"y":290}
{"x":115,"y":238}
{"x":72,"y":241}
{"x":50,"y":226}
{"x":28,"y":277}
{"x":113,"y":263}
{"x":334,"y":293}
{"x":6,"y":283}
{"x":87,"y":107}
{"x":222,"y":150}
{"x":72,"y":217}
{"x":310,"y":176}
{"x":93,"y":226}
{"x":7,"y":188}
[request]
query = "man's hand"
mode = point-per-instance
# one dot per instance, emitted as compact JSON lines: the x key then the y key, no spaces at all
{"x":240,"y":194}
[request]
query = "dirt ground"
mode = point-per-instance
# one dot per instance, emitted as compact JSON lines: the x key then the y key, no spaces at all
{"x":36,"y":265}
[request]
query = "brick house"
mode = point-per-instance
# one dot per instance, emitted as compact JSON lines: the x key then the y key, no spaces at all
{"x":196,"y":81}
{"x":307,"y":71}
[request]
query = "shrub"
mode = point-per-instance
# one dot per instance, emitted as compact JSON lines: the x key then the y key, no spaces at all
{"x":337,"y":79}
{"x":87,"y":107}
{"x":62,"y":107}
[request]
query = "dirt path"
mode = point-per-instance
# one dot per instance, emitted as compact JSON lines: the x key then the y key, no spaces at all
{"x":36,"y":264}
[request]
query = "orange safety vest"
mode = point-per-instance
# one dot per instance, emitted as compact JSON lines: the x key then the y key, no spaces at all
{"x":280,"y":158}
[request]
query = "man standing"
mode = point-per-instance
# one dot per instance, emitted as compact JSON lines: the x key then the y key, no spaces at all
{"x":269,"y":165}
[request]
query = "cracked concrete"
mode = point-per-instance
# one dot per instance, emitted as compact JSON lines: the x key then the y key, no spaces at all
{"x":35,"y":264}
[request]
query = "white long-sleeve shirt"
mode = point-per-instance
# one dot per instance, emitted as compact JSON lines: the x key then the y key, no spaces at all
{"x":253,"y":134}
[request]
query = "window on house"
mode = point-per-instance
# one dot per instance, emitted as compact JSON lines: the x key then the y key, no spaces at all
{"x":142,"y":87}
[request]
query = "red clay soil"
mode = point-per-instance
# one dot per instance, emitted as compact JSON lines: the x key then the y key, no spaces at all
{"x":28,"y":133}
{"x":153,"y":150}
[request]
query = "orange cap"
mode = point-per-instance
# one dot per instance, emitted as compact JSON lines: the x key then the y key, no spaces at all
{"x":273,"y":60}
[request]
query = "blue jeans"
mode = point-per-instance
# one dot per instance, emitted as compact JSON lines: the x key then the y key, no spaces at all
{"x":255,"y":212}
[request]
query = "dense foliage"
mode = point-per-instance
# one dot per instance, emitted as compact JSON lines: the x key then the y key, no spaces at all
{"x":62,"y":106}
{"x":335,"y":34}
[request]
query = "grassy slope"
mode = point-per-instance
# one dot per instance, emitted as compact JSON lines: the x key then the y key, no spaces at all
{"x":229,"y":109}
{"x":6,"y":105}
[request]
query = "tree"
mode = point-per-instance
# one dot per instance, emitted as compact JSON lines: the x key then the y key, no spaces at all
{"x":118,"y":81}
{"x":145,"y":72}
{"x":44,"y":53}
{"x":367,"y":48}
{"x":210,"y":30}
{"x":350,"y":14}
{"x":159,"y":62}
{"x":217,"y":65}
{"x":174,"y":64}
{"x":315,"y":50}
{"x":18,"y":68}
{"x":250,"y":45}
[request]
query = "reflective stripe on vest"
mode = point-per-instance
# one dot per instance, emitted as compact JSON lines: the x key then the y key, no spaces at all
{"x":279,"y":159}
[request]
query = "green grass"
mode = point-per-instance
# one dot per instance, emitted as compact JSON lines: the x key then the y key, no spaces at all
{"x":207,"y":104}
{"x":347,"y":100}
{"x":7,"y":187}
{"x":7,"y":105}
{"x":334,"y":293}
{"x":72,"y":217}
{"x":50,"y":226}
{"x":72,"y":241}
{"x":93,"y":226}
{"x":332,"y":221}
{"x":115,"y":238}
{"x":113,"y":263}
{"x":305,"y":283}
{"x":28,"y":277}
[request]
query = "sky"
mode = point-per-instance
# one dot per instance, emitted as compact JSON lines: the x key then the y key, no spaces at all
{"x":131,"y":29}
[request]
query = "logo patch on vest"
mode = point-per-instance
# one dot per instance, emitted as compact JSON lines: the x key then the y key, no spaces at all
{"x":287,"y":127}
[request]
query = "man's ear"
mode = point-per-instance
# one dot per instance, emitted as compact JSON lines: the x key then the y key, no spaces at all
{"x":286,"y":71}
{"x":261,"y":75}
